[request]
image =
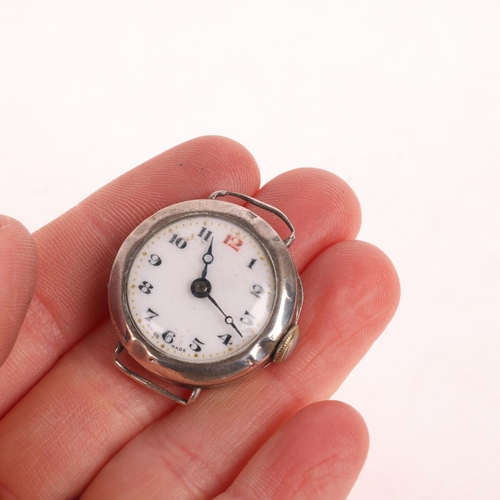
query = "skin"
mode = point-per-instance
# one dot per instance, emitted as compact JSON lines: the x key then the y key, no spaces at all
{"x":73,"y":426}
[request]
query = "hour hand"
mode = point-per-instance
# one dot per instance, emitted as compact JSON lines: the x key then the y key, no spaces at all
{"x":207,"y":258}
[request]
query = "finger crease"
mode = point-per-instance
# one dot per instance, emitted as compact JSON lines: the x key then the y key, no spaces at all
{"x":182,"y":461}
{"x":48,"y":325}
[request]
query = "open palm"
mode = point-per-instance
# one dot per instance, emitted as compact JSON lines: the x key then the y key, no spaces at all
{"x":74,"y":426}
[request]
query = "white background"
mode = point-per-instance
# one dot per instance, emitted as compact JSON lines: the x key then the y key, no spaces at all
{"x":400,"y":98}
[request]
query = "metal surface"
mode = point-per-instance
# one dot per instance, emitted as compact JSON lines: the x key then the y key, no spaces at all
{"x":288,"y":241}
{"x":257,"y":354}
{"x":151,"y":385}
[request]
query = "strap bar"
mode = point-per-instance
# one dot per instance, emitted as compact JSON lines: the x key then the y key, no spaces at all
{"x":288,"y":241}
{"x":151,"y":385}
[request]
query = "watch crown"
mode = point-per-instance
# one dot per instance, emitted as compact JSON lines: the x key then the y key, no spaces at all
{"x":287,"y":344}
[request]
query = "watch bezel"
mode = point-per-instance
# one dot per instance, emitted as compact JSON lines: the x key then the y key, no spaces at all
{"x":257,"y":353}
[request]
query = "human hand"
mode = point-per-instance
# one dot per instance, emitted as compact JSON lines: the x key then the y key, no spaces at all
{"x":74,"y":426}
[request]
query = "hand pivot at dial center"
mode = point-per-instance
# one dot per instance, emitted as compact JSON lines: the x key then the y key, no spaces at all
{"x":201,"y":288}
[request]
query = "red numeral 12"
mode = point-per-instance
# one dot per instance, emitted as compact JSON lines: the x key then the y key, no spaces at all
{"x":234,"y":242}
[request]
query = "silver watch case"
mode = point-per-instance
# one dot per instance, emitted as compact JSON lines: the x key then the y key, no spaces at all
{"x":257,"y":354}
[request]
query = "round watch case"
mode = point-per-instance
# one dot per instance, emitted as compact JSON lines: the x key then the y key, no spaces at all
{"x":281,"y":328}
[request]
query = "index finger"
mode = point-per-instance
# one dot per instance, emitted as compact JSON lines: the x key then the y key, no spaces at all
{"x":18,"y":277}
{"x":76,"y":250}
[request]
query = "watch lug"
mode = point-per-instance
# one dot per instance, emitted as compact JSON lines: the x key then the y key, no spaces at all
{"x":151,"y":385}
{"x":288,"y":241}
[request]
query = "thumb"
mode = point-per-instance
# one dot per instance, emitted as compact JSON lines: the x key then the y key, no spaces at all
{"x":18,"y":271}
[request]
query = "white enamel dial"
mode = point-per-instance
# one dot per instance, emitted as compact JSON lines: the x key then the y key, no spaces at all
{"x":201,"y":288}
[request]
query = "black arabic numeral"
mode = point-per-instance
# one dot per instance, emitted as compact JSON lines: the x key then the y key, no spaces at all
{"x":168,"y":337}
{"x":247,"y":319}
{"x":146,"y":287}
{"x":151,"y":313}
{"x":257,"y":291}
{"x":196,"y":345}
{"x":154,"y":260}
{"x":178,"y":242}
{"x":226,"y":339}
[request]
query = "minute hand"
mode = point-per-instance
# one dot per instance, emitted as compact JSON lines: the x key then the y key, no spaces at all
{"x":229,"y":320}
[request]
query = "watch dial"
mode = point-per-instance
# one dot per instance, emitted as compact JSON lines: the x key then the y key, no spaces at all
{"x":201,"y":288}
